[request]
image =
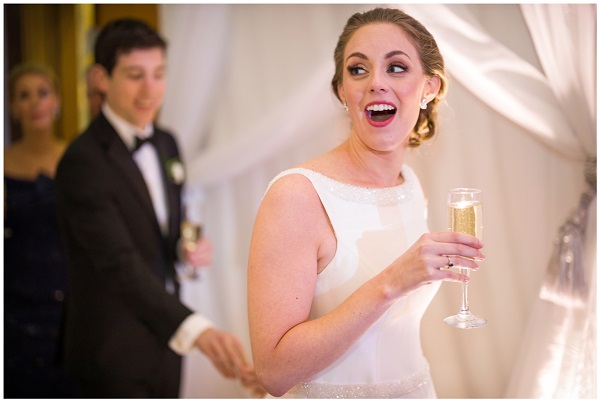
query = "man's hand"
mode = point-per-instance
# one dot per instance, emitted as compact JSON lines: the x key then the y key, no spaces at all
{"x":224,"y":350}
{"x":198,"y":254}
{"x":250,"y":382}
{"x":228,"y":356}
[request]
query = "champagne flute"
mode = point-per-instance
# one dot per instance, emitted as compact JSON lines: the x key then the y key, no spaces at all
{"x":465,"y":215}
{"x":190,"y":234}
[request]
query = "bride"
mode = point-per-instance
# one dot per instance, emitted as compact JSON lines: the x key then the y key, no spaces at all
{"x":341,"y":265}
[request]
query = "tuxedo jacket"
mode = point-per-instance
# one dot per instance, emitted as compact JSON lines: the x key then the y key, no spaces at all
{"x":120,"y":314}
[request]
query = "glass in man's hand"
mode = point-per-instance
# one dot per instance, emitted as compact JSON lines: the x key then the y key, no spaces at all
{"x":190,"y":235}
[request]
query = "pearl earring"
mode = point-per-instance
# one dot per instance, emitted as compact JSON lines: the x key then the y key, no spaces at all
{"x":423,"y":104}
{"x":345,"y":107}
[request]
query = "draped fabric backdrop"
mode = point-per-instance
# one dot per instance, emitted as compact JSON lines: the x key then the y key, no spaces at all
{"x":248,"y":96}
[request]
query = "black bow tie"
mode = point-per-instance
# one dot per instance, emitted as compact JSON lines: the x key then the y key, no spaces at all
{"x":141,"y":141}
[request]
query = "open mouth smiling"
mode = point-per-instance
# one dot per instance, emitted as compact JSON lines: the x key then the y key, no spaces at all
{"x":380,"y":114}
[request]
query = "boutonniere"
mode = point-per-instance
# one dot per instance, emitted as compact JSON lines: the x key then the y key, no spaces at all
{"x":175,"y":170}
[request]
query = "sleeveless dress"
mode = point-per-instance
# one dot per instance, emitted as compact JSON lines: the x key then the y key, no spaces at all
{"x":35,"y":282}
{"x":373,"y":227}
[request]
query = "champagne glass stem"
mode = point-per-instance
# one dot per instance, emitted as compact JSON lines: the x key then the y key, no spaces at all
{"x":465,"y":293}
{"x":191,"y":272}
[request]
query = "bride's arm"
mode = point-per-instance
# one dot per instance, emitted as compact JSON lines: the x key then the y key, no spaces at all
{"x":286,"y":252}
{"x":287,"y":348}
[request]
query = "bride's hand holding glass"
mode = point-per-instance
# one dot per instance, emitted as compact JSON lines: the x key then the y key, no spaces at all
{"x":426,"y":261}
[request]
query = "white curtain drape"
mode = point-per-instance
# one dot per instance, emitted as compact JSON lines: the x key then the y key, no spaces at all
{"x":564,"y":364}
{"x":249,"y":95}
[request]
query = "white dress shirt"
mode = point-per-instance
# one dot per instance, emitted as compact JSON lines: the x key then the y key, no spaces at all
{"x":148,"y":161}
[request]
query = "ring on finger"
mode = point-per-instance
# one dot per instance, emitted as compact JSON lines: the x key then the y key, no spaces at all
{"x":450,"y":263}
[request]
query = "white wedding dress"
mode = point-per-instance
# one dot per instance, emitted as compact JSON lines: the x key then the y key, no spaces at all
{"x":373,"y":227}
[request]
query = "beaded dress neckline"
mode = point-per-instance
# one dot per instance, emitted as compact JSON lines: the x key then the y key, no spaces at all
{"x":380,"y":196}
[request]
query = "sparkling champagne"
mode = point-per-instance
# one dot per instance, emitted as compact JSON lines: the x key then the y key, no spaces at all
{"x":466,"y":217}
{"x":190,"y":233}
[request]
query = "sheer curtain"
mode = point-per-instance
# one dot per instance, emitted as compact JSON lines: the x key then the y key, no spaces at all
{"x":249,"y":96}
{"x":564,"y":366}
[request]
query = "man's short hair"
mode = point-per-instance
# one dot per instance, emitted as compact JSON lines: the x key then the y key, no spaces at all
{"x":122,"y":36}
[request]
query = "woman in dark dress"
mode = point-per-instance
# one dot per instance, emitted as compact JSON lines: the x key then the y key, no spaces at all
{"x":34,"y":262}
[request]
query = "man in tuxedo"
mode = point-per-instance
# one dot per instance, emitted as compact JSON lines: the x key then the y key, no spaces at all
{"x":119,"y":196}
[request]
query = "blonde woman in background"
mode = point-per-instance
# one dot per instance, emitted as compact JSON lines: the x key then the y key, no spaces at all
{"x":35,"y":278}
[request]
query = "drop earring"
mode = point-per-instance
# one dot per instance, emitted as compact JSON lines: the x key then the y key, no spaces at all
{"x":345,"y":107}
{"x":423,"y":104}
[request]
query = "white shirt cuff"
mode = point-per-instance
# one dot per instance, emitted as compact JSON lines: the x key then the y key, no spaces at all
{"x":182,"y":342}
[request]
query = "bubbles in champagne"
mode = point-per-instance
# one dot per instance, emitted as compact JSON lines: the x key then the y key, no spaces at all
{"x":466,"y":217}
{"x":190,"y":233}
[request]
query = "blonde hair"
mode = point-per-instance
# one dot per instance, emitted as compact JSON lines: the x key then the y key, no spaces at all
{"x":27,"y":69}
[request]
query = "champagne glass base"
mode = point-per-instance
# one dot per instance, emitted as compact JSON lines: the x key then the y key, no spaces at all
{"x":465,"y":320}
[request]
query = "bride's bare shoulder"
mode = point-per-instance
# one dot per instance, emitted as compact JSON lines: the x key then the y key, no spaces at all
{"x":290,"y":188}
